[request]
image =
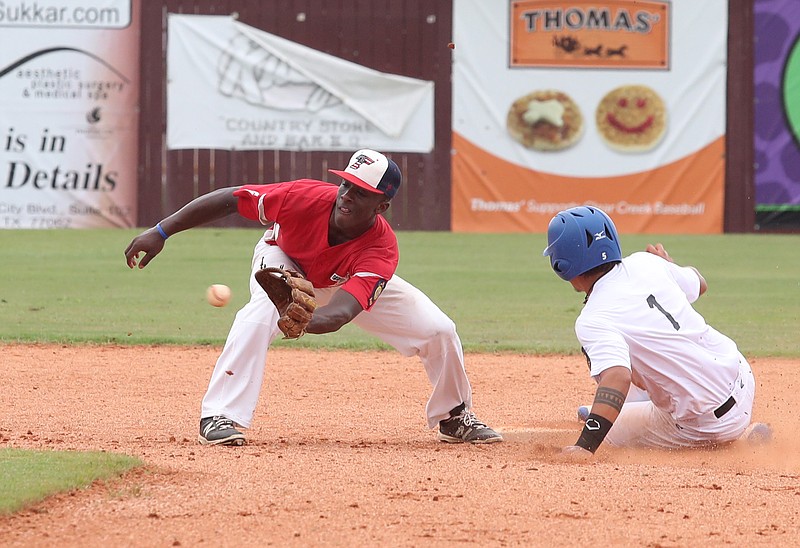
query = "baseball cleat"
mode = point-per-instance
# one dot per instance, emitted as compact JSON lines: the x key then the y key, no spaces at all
{"x":218,"y":430}
{"x":583,"y":413}
{"x":464,"y":427}
{"x":758,"y":433}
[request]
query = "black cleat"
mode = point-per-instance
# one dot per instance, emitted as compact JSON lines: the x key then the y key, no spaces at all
{"x":219,"y":430}
{"x":464,"y":427}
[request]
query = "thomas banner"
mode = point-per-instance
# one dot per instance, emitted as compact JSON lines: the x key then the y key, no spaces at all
{"x":618,"y":104}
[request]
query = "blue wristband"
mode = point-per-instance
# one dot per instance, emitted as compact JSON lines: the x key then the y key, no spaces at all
{"x":161,"y":231}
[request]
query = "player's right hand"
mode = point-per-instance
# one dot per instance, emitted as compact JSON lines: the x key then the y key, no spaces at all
{"x":149,"y":242}
{"x":576,"y":453}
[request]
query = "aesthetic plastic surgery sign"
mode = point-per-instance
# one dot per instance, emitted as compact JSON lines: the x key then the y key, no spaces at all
{"x":235,"y":87}
{"x":68,"y":113}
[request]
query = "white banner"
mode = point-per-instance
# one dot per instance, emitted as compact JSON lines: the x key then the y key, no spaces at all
{"x":232,"y":86}
{"x":69,"y":78}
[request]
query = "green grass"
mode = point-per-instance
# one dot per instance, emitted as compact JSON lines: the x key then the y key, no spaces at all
{"x":73,"y":286}
{"x":27,"y":477}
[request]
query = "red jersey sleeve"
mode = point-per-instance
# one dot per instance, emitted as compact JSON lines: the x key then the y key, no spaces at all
{"x":371,"y":276}
{"x":251,"y":201}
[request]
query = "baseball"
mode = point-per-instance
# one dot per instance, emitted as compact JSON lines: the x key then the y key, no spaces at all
{"x":218,"y":294}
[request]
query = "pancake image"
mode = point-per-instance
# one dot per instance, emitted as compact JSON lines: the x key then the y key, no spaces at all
{"x":631,"y":118}
{"x":545,"y":120}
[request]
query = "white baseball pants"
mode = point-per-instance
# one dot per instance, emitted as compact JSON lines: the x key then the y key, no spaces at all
{"x":642,"y":424}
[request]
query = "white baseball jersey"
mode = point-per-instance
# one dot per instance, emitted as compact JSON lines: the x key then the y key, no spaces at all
{"x":639,"y":315}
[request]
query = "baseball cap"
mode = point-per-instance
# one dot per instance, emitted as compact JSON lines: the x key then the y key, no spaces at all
{"x":372,"y":171}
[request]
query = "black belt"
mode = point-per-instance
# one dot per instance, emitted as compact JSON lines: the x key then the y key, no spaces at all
{"x":725,"y":407}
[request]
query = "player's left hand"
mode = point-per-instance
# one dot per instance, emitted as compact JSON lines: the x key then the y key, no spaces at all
{"x":659,"y":250}
{"x":293,"y":297}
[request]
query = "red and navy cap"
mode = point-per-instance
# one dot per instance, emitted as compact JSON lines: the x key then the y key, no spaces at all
{"x":372,"y":171}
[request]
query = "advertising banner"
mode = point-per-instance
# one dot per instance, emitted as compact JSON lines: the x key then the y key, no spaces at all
{"x":235,"y":87}
{"x":619,"y":104}
{"x":68,"y":113}
{"x":558,"y":34}
{"x":777,"y":113}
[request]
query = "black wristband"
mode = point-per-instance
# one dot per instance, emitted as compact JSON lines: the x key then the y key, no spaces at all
{"x":594,"y":432}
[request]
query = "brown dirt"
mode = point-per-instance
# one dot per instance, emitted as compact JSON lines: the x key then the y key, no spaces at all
{"x":339,"y":455}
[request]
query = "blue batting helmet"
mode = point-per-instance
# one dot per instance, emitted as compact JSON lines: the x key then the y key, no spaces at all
{"x":579,"y":239}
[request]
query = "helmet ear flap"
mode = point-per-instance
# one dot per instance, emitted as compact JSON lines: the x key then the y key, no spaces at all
{"x":561,"y":266}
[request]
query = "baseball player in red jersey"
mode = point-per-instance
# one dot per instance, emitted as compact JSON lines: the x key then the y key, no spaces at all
{"x":691,"y":385}
{"x":337,"y":238}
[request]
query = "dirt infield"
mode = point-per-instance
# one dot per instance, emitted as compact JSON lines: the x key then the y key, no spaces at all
{"x":340,"y":456}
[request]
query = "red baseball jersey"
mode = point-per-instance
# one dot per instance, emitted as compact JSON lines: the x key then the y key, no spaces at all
{"x":302,"y":209}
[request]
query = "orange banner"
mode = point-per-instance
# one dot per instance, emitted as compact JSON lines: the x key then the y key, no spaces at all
{"x":494,"y":195}
{"x":614,"y":34}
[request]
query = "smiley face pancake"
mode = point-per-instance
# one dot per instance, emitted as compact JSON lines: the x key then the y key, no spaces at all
{"x":631,"y":118}
{"x":545,"y":120}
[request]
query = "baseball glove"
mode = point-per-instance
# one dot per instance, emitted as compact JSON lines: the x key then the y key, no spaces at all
{"x":292,"y":295}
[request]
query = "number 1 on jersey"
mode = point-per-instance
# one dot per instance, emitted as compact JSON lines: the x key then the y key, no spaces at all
{"x":653,"y":303}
